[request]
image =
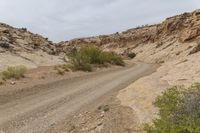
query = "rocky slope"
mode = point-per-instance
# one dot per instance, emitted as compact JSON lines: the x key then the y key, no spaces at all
{"x":179,"y":29}
{"x":21,"y":47}
{"x":177,"y":51}
{"x":176,"y":37}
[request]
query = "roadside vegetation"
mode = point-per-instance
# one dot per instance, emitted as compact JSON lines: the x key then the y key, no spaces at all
{"x":131,"y":55}
{"x":88,"y":56}
{"x":13,"y":73}
{"x":179,"y":111}
{"x":61,"y":69}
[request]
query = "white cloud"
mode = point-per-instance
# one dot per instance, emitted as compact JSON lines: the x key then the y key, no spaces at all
{"x":66,"y":19}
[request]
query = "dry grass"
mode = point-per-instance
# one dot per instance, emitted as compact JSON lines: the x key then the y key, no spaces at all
{"x":13,"y":72}
{"x":61,"y":69}
{"x":89,"y":56}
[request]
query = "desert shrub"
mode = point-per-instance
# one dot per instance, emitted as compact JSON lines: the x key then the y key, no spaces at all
{"x":14,"y":72}
{"x":2,"y":81}
{"x":112,"y":58}
{"x":61,"y":69}
{"x":81,"y":62}
{"x":179,"y":111}
{"x":159,"y":61}
{"x":131,"y":55}
{"x":87,"y":56}
{"x":24,"y":29}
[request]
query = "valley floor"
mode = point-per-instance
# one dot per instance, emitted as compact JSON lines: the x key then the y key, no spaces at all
{"x":85,"y":103}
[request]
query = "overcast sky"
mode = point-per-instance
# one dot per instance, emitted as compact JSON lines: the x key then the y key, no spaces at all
{"x":66,"y":19}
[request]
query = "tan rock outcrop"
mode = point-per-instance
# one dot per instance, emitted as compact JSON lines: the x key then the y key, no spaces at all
{"x":181,"y":29}
{"x":21,"y":47}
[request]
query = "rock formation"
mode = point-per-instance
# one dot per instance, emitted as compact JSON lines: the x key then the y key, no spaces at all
{"x":21,"y":47}
{"x":182,"y":28}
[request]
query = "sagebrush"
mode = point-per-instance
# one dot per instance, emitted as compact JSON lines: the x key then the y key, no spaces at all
{"x":85,"y":57}
{"x":179,"y":111}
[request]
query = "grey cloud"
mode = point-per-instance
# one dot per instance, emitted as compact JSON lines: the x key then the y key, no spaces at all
{"x":66,"y":19}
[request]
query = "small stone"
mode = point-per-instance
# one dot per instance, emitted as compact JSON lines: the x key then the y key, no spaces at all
{"x":102,"y":115}
{"x":100,"y":123}
{"x":12,"y":83}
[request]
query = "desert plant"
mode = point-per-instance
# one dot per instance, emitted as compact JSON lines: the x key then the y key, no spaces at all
{"x":61,"y":69}
{"x":179,"y":111}
{"x":24,"y":29}
{"x":14,"y":72}
{"x":81,"y":62}
{"x":2,"y":81}
{"x":159,"y":61}
{"x":112,"y":58}
{"x":131,"y":55}
{"x":87,"y":56}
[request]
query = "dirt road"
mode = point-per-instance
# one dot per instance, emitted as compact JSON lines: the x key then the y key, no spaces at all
{"x":37,"y":111}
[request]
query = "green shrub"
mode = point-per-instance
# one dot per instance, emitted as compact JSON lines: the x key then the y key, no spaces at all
{"x":179,"y":111}
{"x":115,"y":59}
{"x":87,"y":56}
{"x":2,"y":81}
{"x":14,"y":72}
{"x":131,"y":55}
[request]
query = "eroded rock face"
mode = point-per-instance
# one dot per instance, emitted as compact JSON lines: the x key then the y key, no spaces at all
{"x":20,"y":40}
{"x":181,"y":28}
{"x":21,"y":47}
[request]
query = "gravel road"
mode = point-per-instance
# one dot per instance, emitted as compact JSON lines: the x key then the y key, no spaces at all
{"x":36,"y":111}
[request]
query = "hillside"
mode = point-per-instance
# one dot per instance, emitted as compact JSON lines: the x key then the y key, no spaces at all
{"x":176,"y":37}
{"x":21,"y":47}
{"x":174,"y":42}
{"x":174,"y":31}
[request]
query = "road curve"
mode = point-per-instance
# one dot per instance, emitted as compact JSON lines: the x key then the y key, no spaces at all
{"x":36,"y":112}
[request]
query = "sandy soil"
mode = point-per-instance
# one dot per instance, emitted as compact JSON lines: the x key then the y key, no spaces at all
{"x":30,"y":60}
{"x":37,"y":108}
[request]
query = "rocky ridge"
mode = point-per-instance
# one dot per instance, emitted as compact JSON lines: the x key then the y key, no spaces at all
{"x":21,"y":47}
{"x":176,"y":37}
{"x":18,"y":40}
{"x":184,"y":28}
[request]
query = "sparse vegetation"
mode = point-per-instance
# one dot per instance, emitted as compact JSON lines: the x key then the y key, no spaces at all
{"x":179,"y":111}
{"x":13,"y":72}
{"x":104,"y":108}
{"x":24,"y":29}
{"x":5,"y":45}
{"x":131,"y":55}
{"x":87,"y":56}
{"x":159,"y":61}
{"x":2,"y":82}
{"x":61,"y":69}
